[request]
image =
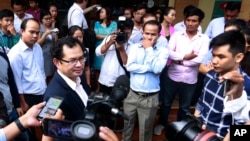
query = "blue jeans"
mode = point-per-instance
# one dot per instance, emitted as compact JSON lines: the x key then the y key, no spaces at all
{"x":169,"y":91}
{"x":24,"y":135}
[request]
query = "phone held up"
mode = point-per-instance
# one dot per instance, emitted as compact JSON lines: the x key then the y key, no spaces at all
{"x":51,"y":107}
{"x":57,"y":128}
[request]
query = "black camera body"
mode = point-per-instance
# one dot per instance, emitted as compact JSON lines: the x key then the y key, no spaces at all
{"x":100,"y":111}
{"x":121,"y":37}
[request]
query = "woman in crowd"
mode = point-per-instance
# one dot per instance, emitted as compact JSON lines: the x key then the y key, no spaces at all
{"x":54,"y":19}
{"x":47,"y":38}
{"x":245,"y":65}
{"x":166,"y":22}
{"x":128,"y":12}
{"x":103,"y":27}
{"x":77,"y":32}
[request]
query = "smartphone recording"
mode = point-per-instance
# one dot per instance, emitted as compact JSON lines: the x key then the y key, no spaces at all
{"x":51,"y":107}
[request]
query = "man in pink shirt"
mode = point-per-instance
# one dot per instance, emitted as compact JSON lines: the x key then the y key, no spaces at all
{"x":187,"y":49}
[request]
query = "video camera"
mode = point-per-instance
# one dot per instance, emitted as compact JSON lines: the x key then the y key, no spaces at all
{"x":101,"y":108}
{"x":189,"y":129}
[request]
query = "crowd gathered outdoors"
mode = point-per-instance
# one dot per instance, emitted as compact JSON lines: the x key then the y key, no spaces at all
{"x":162,"y":60}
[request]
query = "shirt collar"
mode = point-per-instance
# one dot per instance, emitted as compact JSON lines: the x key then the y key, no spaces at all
{"x":24,"y":46}
{"x":71,"y":83}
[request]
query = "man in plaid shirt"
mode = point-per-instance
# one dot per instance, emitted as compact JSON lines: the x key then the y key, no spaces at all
{"x":218,"y":109}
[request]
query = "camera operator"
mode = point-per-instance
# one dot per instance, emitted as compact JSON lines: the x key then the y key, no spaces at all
{"x":219,"y":107}
{"x":110,"y":49}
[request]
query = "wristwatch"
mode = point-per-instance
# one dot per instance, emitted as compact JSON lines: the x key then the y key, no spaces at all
{"x":19,"y":125}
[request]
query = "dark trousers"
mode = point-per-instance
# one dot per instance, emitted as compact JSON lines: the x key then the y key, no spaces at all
{"x":185,"y":92}
{"x":105,"y":89}
{"x":33,"y":100}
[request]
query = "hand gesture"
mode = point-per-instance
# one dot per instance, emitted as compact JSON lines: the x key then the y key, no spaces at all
{"x":190,"y":56}
{"x":11,"y":29}
{"x":235,"y":82}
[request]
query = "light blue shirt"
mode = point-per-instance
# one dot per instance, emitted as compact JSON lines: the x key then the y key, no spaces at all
{"x":145,"y":66}
{"x":215,"y":27}
{"x":207,"y":58}
{"x":2,"y":135}
{"x":28,"y":68}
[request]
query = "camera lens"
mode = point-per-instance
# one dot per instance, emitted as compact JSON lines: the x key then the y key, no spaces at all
{"x":83,"y":130}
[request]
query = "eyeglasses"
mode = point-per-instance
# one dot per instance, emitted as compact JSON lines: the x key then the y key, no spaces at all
{"x":73,"y":62}
{"x":47,"y":19}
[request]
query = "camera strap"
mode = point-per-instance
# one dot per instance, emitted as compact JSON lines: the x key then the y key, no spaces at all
{"x":120,"y":61}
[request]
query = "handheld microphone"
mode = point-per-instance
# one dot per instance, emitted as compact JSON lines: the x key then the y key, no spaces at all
{"x":121,"y":88}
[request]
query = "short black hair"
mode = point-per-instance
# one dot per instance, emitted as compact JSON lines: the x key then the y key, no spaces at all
{"x":187,"y":8}
{"x":195,"y":12}
{"x":166,"y":12}
{"x":44,"y":13}
{"x":25,"y":21}
{"x":152,"y":22}
{"x":233,"y":5}
{"x":73,"y":29}
{"x":127,"y":24}
{"x":57,"y":50}
{"x":6,"y":13}
{"x":233,"y":38}
{"x":246,"y":33}
{"x":139,"y":7}
{"x":240,"y":24}
{"x":17,"y":2}
{"x":148,"y":15}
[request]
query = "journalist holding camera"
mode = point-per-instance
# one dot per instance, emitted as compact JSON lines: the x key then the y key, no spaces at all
{"x":114,"y":48}
{"x":225,"y":97}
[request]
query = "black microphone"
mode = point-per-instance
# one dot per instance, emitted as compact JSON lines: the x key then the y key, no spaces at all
{"x":121,"y":88}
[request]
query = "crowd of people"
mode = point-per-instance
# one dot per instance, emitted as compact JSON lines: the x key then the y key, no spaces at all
{"x":160,"y":58}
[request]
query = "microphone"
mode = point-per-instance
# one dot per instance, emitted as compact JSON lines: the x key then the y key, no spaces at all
{"x":121,"y":88}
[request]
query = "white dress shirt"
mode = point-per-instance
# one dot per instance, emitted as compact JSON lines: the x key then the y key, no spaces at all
{"x":111,"y":67}
{"x":28,"y":68}
{"x":18,"y":21}
{"x":76,"y":86}
{"x":76,"y":17}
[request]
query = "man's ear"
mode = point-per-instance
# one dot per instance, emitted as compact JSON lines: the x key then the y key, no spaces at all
{"x":239,"y":57}
{"x":56,"y":62}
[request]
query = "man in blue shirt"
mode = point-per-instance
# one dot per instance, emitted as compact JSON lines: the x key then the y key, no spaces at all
{"x":145,"y":63}
{"x":228,"y":51}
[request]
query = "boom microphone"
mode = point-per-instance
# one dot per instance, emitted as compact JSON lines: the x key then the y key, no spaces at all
{"x":121,"y":88}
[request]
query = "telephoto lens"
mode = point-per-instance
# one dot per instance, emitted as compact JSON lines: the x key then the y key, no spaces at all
{"x":189,"y":129}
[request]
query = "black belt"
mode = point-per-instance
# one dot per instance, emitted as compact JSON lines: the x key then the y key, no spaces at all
{"x":145,"y":94}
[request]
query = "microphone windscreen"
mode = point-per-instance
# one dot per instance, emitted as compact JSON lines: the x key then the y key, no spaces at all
{"x":121,"y":87}
{"x":122,"y":81}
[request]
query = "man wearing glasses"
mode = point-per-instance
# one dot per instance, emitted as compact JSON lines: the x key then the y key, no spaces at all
{"x":68,"y":56}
